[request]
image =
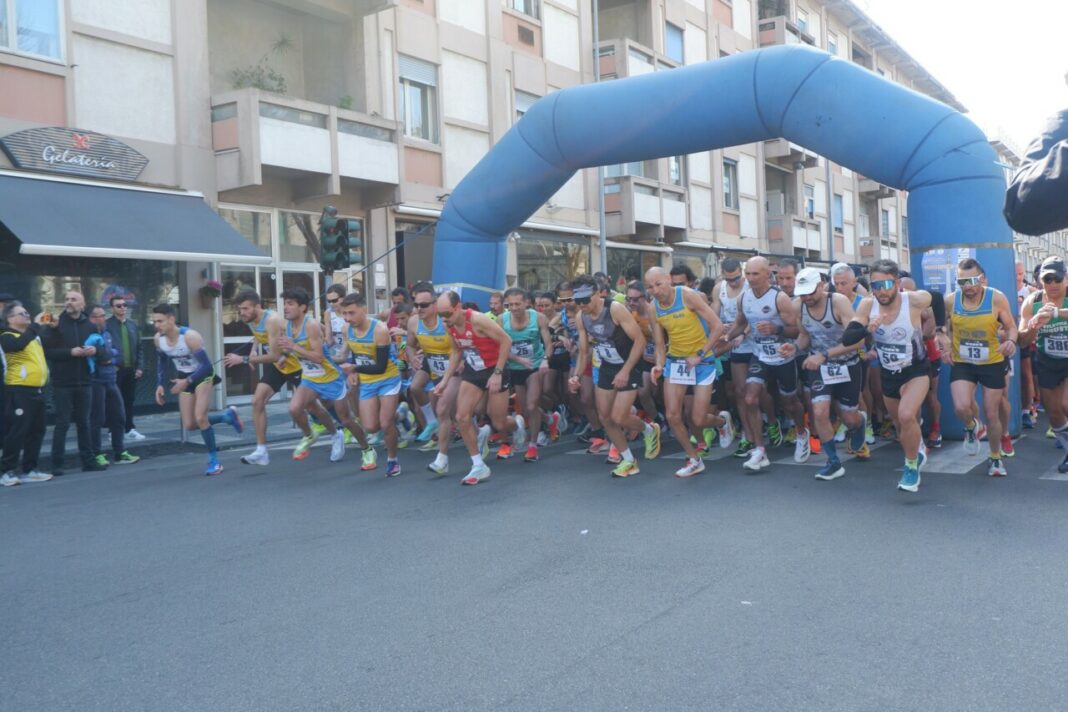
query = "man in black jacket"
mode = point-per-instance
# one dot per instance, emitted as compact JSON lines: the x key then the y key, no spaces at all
{"x":71,"y":393}
{"x":127,"y":339}
{"x":1037,"y":199}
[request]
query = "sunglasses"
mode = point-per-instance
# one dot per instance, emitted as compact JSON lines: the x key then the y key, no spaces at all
{"x":332,"y":301}
{"x":423,"y":305}
{"x":118,"y":306}
{"x":633,"y":299}
{"x":968,"y":281}
{"x":735,"y":278}
{"x":1051,"y":278}
{"x":883,"y":284}
{"x":583,"y":300}
{"x":565,"y":300}
{"x":25,"y":314}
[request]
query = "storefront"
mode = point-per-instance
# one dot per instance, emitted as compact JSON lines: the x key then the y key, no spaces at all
{"x":629,"y":262}
{"x":698,"y":257}
{"x":544,"y":259}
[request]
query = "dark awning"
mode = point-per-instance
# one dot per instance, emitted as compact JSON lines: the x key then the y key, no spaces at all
{"x":70,"y":219}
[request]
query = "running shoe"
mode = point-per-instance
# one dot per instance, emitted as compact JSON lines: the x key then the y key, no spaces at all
{"x":234,"y":419}
{"x":349,"y":437}
{"x":774,"y":435}
{"x":301,"y":451}
{"x":127,"y":458}
{"x":317,"y":429}
{"x":707,"y":436}
{"x":392,"y":468}
{"x":840,"y":433}
{"x":36,"y":476}
{"x":935,"y":439}
{"x":831,"y":471}
{"x":869,"y":432}
{"x":543,"y":439}
{"x":583,"y":432}
{"x":864,"y":453}
{"x":801,"y":447}
{"x":1028,"y":421}
{"x":477,"y":474}
{"x":597,"y":446}
{"x":652,"y":441}
{"x":337,"y":446}
{"x":856,"y":437}
{"x":980,"y":432}
{"x":626,"y":468}
{"x":101,"y":460}
{"x":482,"y":442}
{"x":744,"y":448}
{"x":886,"y":430}
{"x":519,"y":437}
{"x":214,"y":468}
{"x":504,"y":452}
{"x":554,"y":426}
{"x":614,"y":458}
{"x":757,"y":461}
{"x":791,"y":435}
{"x":726,"y":431}
{"x":1007,"y":448}
{"x":532,"y":453}
{"x":971,"y":442}
{"x":1063,"y":467}
{"x":438,"y":469}
{"x":921,"y":456}
{"x":1049,"y":433}
{"x":428,"y":432}
{"x":997,"y":469}
{"x":910,"y":480}
{"x":369,"y":459}
{"x":693,"y":466}
{"x":430,"y":445}
{"x":10,"y":479}
{"x":253,"y":458}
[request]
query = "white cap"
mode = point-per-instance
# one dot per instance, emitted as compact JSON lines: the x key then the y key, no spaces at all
{"x":807,"y":280}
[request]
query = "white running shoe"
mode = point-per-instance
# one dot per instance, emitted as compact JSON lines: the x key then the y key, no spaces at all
{"x":483,"y":440}
{"x":134,"y":435}
{"x":254,"y":458}
{"x":477,"y":474}
{"x":337,"y":447}
{"x":519,"y":437}
{"x":840,"y":434}
{"x":758,"y":460}
{"x":693,"y":466}
{"x":35,"y":476}
{"x":543,"y":439}
{"x":9,"y":479}
{"x":802,"y":449}
{"x":726,"y":431}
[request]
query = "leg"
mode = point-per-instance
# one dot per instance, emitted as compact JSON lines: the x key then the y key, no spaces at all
{"x":16,"y":429}
{"x":344,"y":414}
{"x":34,"y":408}
{"x":907,"y":414}
{"x":750,"y":412}
{"x":446,"y":411}
{"x":127,"y":383}
{"x":298,"y":405}
{"x":468,"y":397}
{"x":97,"y":411}
{"x":369,"y":412}
{"x":62,"y":397}
{"x":116,"y":419}
{"x":606,"y":398}
{"x":387,"y":420}
{"x":589,"y":406}
{"x":260,"y":397}
{"x":321,"y":414}
{"x":992,"y":400}
{"x":533,"y":404}
{"x":964,"y":404}
{"x":83,"y":396}
{"x":497,"y":409}
{"x":674,"y":394}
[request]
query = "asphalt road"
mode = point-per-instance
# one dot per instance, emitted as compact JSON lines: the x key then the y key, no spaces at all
{"x":312,"y":586}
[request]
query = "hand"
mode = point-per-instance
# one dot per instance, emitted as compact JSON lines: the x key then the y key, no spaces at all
{"x":347,"y":367}
{"x":874,"y":323}
{"x":870,"y":355}
{"x":44,"y":319}
{"x":622,"y":378}
{"x":138,"y":373}
{"x":232,"y":360}
{"x":813,"y":362}
{"x":737,"y":341}
{"x":493,"y":385}
{"x":89,"y":351}
{"x":574,"y":384}
{"x":353,"y":378}
{"x":397,"y":331}
{"x":766,"y":328}
{"x":77,"y":352}
{"x":692,"y":361}
{"x":655,"y":374}
{"x":159,"y":395}
{"x":788,"y":350}
{"x":285,"y":343}
{"x":1007,"y":348}
{"x":943,"y":342}
{"x":180,"y":385}
{"x":544,"y":366}
{"x":439,"y":389}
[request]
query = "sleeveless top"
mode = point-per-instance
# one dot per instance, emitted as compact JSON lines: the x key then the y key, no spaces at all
{"x":365,"y":353}
{"x":526,"y":342}
{"x":337,"y":334}
{"x":728,"y":313}
{"x":324,"y":372}
{"x":1053,"y":336}
{"x":26,"y":367}
{"x":606,"y":338}
{"x":975,"y":332}
{"x":686,"y":332}
{"x":480,"y":352}
{"x":826,"y":332}
{"x":436,"y":347}
{"x":259,"y":330}
{"x":764,"y":308}
{"x":898,"y":344}
{"x":179,"y":353}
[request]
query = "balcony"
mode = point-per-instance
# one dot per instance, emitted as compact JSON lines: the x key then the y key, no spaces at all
{"x":789,"y":155}
{"x":781,"y":31}
{"x":787,"y":234}
{"x":310,"y":142}
{"x":873,"y":190}
{"x":869,"y":247}
{"x":627,"y":58}
{"x":644,"y":208}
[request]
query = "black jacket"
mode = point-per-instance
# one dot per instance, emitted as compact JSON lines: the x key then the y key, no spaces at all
{"x":114,"y":327}
{"x":67,"y":334}
{"x":1037,"y":199}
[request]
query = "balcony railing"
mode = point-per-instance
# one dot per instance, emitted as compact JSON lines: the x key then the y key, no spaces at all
{"x":644,"y":204}
{"x":781,"y":31}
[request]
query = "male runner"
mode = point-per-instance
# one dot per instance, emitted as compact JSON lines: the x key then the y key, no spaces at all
{"x":638,"y":304}
{"x":609,"y":330}
{"x":183,"y":348}
{"x":893,"y":318}
{"x":484,"y":347}
{"x":765,"y":310}
{"x":970,"y":345}
{"x":685,"y":332}
{"x":1027,"y":377}
{"x":591,"y":434}
{"x":845,"y":283}
{"x":529,"y":333}
{"x":786,"y":280}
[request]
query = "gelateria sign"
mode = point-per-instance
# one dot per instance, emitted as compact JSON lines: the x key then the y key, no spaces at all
{"x":82,"y":153}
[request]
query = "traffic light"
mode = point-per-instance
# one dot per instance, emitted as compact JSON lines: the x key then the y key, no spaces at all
{"x":353,"y":231}
{"x":333,"y":241}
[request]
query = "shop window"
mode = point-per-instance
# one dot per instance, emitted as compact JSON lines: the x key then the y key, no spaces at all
{"x":297,"y":235}
{"x":418,"y":98}
{"x":541,"y":264}
{"x":628,"y":265}
{"x":255,"y":226}
{"x":31,"y":26}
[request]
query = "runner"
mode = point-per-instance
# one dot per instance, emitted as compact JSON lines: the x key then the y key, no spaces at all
{"x":638,"y":304}
{"x":609,"y":330}
{"x":1027,"y":378}
{"x":893,"y":318}
{"x":832,"y":370}
{"x":689,"y":327}
{"x":970,"y":344}
{"x":591,"y":434}
{"x":529,"y":333}
{"x":766,"y":311}
{"x":559,"y":366}
{"x":786,"y":280}
{"x":374,"y":372}
{"x":266,"y":326}
{"x":1044,"y":322}
{"x":183,"y":348}
{"x":484,"y":347}
{"x":845,"y":283}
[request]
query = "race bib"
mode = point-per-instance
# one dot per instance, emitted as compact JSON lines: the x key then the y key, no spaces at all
{"x":1057,"y":346}
{"x":185,"y":364}
{"x":681,"y":373}
{"x":1012,"y":369}
{"x":474,"y":359}
{"x":523,"y":349}
{"x":974,"y":351}
{"x":312,"y":369}
{"x":768,"y":348}
{"x":832,"y":373}
{"x":608,"y":353}
{"x":895,"y":357}
{"x":437,"y":363}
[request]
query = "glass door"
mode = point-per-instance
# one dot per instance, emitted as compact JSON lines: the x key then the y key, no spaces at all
{"x":240,"y":381}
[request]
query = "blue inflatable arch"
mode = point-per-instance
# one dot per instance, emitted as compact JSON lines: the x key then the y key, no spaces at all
{"x":882,"y":130}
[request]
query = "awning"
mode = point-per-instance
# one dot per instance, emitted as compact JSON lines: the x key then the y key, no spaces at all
{"x":66,"y":218}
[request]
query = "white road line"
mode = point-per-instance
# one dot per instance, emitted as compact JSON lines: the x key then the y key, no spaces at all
{"x":819,"y":460}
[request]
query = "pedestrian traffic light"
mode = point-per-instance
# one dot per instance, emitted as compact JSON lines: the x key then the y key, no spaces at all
{"x":353,"y":230}
{"x":333,"y":241}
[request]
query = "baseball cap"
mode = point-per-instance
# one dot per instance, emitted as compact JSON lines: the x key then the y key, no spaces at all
{"x":1054,"y":266}
{"x":807,"y":281}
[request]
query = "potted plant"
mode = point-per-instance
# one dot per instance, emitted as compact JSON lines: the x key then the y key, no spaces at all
{"x":211,"y":291}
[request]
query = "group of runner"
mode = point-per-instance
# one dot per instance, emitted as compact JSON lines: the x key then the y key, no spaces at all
{"x":796,"y":357}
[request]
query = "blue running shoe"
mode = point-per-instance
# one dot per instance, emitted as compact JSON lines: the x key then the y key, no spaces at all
{"x":234,"y":418}
{"x":910,"y":480}
{"x":214,"y":468}
{"x":832,"y":470}
{"x":856,"y":437}
{"x":392,"y":468}
{"x":428,"y":432}
{"x":1028,"y":421}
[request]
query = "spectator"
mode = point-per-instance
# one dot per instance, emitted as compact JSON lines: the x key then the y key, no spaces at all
{"x":71,"y":392}
{"x":398,"y":296}
{"x":24,"y":409}
{"x":126,"y":336}
{"x":683,"y":275}
{"x":107,"y":402}
{"x":1037,"y":199}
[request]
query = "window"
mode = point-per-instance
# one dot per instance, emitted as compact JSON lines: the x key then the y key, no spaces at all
{"x":418,"y":98}
{"x":673,"y":42}
{"x":836,"y":216}
{"x":297,"y":233}
{"x":802,"y":20}
{"x":730,"y":184}
{"x":523,"y":102}
{"x":884,"y":223}
{"x":675,"y":170}
{"x":810,"y":201}
{"x":31,"y":26}
{"x":255,"y":226}
{"x":904,"y":232}
{"x":527,"y":7}
{"x":832,"y":43}
{"x":628,"y":265}
{"x":624,"y":169}
{"x":542,"y":263}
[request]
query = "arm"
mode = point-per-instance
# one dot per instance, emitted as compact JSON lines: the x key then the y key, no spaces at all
{"x":789,"y":328}
{"x":139,"y":347}
{"x":1001,"y":308}
{"x":1035,"y":200}
{"x":1028,"y":329}
{"x":382,"y":344}
{"x":696,"y":302}
{"x":858,"y":326}
{"x":11,"y":343}
{"x":659,"y":341}
{"x":454,"y":363}
{"x":54,"y":348}
{"x":485,"y":326}
{"x":622,"y":316}
{"x":740,"y":323}
{"x":583,"y":355}
{"x":161,"y":370}
{"x":314,"y":352}
{"x":546,"y":341}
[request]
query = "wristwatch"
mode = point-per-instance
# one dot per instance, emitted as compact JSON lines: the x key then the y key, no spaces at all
{"x":498,"y":371}
{"x":245,"y":359}
{"x":700,"y":353}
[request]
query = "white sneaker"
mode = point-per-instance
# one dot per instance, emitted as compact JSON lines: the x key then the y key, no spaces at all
{"x":337,"y":447}
{"x":9,"y":479}
{"x":758,"y":460}
{"x":253,"y":458}
{"x":477,"y":474}
{"x":483,"y":440}
{"x":519,"y":437}
{"x":840,"y":434}
{"x":134,"y":435}
{"x":802,"y":449}
{"x":35,"y":476}
{"x":726,"y":432}
{"x":693,"y":466}
{"x":543,"y":439}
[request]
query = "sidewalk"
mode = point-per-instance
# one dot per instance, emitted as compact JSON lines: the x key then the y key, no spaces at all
{"x":163,"y":434}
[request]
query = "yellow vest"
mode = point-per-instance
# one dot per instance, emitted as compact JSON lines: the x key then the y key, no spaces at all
{"x":26,"y":367}
{"x":975,"y":332}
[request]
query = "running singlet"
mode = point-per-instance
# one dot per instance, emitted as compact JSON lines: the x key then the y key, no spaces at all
{"x":606,"y":338}
{"x":756,"y":310}
{"x":337,"y":334}
{"x":728,"y":314}
{"x":324,"y":372}
{"x":826,"y":332}
{"x":365,"y":353}
{"x":526,"y":342}
{"x":1053,"y":335}
{"x":480,"y":352}
{"x":686,"y":332}
{"x":259,"y":330}
{"x":975,"y":332}
{"x":897,"y":343}
{"x":180,"y":355}
{"x":436,"y":347}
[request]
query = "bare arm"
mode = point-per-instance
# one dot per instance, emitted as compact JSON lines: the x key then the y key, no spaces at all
{"x":622,"y":316}
{"x":485,"y":326}
{"x":546,"y":340}
{"x":696,"y":302}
